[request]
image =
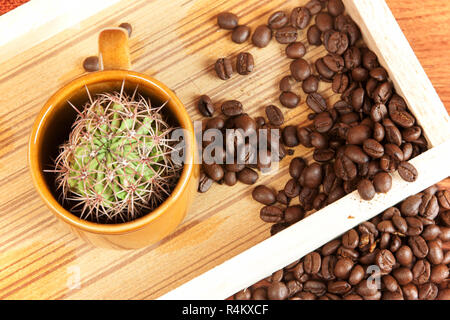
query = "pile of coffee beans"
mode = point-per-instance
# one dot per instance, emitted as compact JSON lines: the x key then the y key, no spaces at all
{"x":92,"y":63}
{"x":233,"y":117}
{"x":402,"y":254}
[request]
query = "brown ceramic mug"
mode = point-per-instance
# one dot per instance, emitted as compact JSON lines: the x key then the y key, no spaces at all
{"x":52,"y":127}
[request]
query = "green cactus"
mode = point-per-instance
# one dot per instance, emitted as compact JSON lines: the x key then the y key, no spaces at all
{"x":116,"y":165}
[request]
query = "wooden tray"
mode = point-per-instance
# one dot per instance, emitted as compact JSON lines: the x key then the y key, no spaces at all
{"x":177,"y":42}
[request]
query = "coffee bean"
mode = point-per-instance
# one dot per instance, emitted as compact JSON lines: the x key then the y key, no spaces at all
{"x":264,"y":195}
{"x":278,"y":20}
{"x":345,"y":168}
{"x":204,"y":183}
{"x":286,"y":35}
{"x":295,"y":50}
{"x":205,"y":106}
{"x":323,"y":70}
{"x":261,"y":36}
{"x":316,"y":102}
{"x":418,"y":246}
{"x":366,"y":189}
{"x":314,"y":36}
{"x":324,"y":21}
{"x":435,"y":252}
{"x":382,"y":182}
{"x":223,"y":68}
{"x":289,"y":135}
{"x":340,"y":83}
{"x":91,"y":64}
{"x":403,"y":118}
{"x":393,"y":151}
{"x":244,"y":63}
{"x":443,"y":197}
{"x":214,"y":171}
{"x":289,"y":99}
{"x":312,"y":176}
{"x":373,"y":148}
{"x":431,"y":232}
{"x":390,"y":283}
{"x":244,"y":294}
{"x":283,"y":198}
{"x":227,"y":20}
{"x":293,"y":214}
{"x":439,"y":273}
{"x":277,"y":291}
{"x":358,"y":134}
{"x":335,"y":7}
{"x":411,"y":134}
{"x":337,"y":43}
{"x":356,"y":154}
{"x":286,"y":83}
{"x":246,"y":123}
{"x":369,"y":60}
{"x":378,"y":112}
{"x":421,"y":272}
{"x":300,"y":69}
{"x":300,"y":17}
{"x":274,"y":115}
{"x":230,"y":178}
{"x":385,"y":260}
{"x":410,"y":206}
{"x":278,"y":227}
{"x":247,"y":176}
{"x":232,"y":108}
{"x":127,"y":26}
{"x":312,"y":263}
{"x":271,"y":214}
{"x":323,"y":122}
{"x":379,"y":74}
{"x":428,"y":291}
{"x":407,"y":171}
{"x":382,"y":93}
{"x":343,"y":268}
{"x":292,"y":188}
{"x":240,"y":34}
{"x":310,"y":84}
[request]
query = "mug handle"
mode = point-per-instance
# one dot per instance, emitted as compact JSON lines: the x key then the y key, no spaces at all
{"x":114,"y":51}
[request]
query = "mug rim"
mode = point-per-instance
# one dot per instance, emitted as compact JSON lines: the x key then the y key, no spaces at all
{"x":38,"y":178}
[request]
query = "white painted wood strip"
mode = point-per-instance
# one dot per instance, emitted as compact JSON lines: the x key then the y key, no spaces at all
{"x":38,"y":20}
{"x":309,"y":234}
{"x":383,"y":35}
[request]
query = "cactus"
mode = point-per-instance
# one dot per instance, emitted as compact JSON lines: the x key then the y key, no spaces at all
{"x":116,"y":165}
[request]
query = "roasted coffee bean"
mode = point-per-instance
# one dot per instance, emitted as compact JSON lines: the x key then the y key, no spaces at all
{"x":314,"y":36}
{"x":214,"y":171}
{"x":316,"y":287}
{"x":262,"y":36}
{"x":314,"y":6}
{"x":439,"y":273}
{"x":264,"y":195}
{"x":407,"y":150}
{"x":352,"y":58}
{"x":435,"y":253}
{"x":345,"y":168}
{"x":286,"y":35}
{"x":296,"y":167}
{"x":443,"y":197}
{"x":312,"y":263}
{"x":431,"y":232}
{"x":300,"y":17}
{"x":393,"y":151}
{"x":323,"y":122}
{"x":240,"y":34}
{"x":324,"y":21}
{"x":343,"y":268}
{"x":286,"y":83}
{"x":295,"y":50}
{"x":283,"y":198}
{"x":340,"y":83}
{"x":204,"y":183}
{"x":271,"y":214}
{"x":274,"y":115}
{"x":335,"y":7}
{"x":205,"y":106}
{"x":356,"y":154}
{"x":397,"y":103}
{"x":382,"y":93}
{"x":293,"y":214}
{"x":91,"y":64}
{"x":337,"y":43}
{"x":403,"y":118}
{"x":292,"y":188}
{"x":360,"y":74}
{"x":379,"y":74}
{"x":289,"y":135}
{"x":390,"y":283}
{"x":312,"y":176}
{"x":244,"y":294}
{"x":247,"y":176}
{"x":259,"y":294}
{"x":366,"y":189}
{"x":316,"y":102}
{"x":230,"y":178}
{"x":323,"y":70}
{"x":404,"y":256}
{"x":350,"y":239}
{"x":232,"y":108}
{"x":278,"y":227}
{"x":310,"y":84}
{"x":227,"y":20}
{"x":412,"y":133}
{"x":306,"y":197}
{"x":224,"y":68}
{"x":393,"y":135}
{"x":419,"y":246}
{"x":358,"y":134}
{"x":277,"y":291}
{"x":378,"y":112}
{"x":385,"y":260}
{"x":244,"y":63}
{"x":289,"y":99}
{"x":300,"y":69}
{"x":369,"y":60}
{"x":334,"y":62}
{"x":356,"y":275}
{"x":373,"y":148}
{"x":428,"y":291}
{"x":319,"y":140}
{"x":278,"y":20}
{"x":303,"y":135}
{"x":331,"y":247}
{"x":246,"y":123}
{"x":327,"y":268}
{"x":421,"y":272}
{"x":378,"y":132}
{"x":382,"y":182}
{"x":400,"y":223}
{"x":410,"y":206}
{"x":407,"y":171}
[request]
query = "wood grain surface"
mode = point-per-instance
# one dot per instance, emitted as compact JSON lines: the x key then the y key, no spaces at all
{"x":176,"y":42}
